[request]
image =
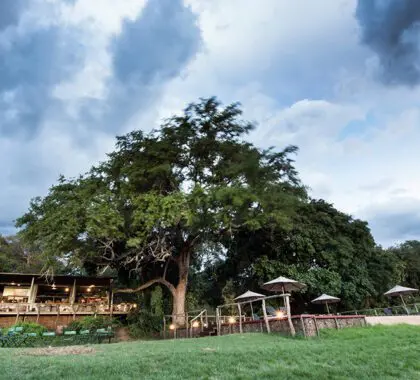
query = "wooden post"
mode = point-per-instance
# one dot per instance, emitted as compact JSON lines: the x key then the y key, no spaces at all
{"x":218,"y":321}
{"x":111,"y":307}
{"x":31,"y":293}
{"x":336,"y":323}
{"x":289,"y":316}
{"x":201,"y":322}
{"x":240,"y":318}
{"x":73,"y":293}
{"x":316,"y":326}
{"x":267,"y":325}
{"x":303,"y":326}
{"x":186,"y":325}
{"x":38,"y":311}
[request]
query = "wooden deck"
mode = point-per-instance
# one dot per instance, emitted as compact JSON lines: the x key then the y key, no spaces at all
{"x":9,"y":309}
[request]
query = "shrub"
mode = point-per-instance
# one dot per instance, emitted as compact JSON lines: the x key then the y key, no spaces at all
{"x":92,"y":323}
{"x":31,"y":327}
{"x":144,"y":324}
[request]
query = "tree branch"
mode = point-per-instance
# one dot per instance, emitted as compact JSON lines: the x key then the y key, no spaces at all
{"x":159,"y":280}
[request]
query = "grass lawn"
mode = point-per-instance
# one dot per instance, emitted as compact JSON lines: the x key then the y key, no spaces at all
{"x":364,"y":353}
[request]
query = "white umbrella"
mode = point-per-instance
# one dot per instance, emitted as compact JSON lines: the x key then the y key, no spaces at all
{"x":326,"y":299}
{"x":249,"y":296}
{"x":283,"y":284}
{"x":399,"y":290}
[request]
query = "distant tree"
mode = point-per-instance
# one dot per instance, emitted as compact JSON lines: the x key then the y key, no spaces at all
{"x":328,"y":250}
{"x":15,"y":258}
{"x":409,"y":255}
{"x":160,"y":200}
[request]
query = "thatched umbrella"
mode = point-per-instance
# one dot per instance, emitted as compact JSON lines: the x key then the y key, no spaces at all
{"x":326,"y":299}
{"x":283,"y":284}
{"x":249,"y":296}
{"x":399,"y":291}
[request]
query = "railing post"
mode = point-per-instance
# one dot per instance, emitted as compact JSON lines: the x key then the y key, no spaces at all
{"x":218,"y":321}
{"x":240,"y":318}
{"x":267,"y":325}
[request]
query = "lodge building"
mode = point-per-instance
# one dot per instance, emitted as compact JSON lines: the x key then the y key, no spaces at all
{"x":56,"y":301}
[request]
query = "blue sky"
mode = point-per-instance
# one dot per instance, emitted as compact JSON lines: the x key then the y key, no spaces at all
{"x":340,"y":80}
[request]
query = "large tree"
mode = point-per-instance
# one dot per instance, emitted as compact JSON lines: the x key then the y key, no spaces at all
{"x":327,"y":249}
{"x":163,"y":200}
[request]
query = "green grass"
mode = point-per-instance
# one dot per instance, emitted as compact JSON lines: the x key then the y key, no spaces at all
{"x":364,"y":353}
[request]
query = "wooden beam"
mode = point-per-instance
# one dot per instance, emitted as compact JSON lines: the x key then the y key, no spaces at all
{"x":289,"y":315}
{"x":240,"y":318}
{"x":267,"y":324}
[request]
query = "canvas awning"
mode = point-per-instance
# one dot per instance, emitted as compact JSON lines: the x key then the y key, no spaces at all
{"x":283,"y":284}
{"x":249,"y":296}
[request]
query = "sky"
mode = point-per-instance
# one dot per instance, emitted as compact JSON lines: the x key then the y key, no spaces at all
{"x":338,"y":78}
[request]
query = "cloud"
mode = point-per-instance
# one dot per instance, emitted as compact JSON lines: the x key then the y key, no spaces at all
{"x":10,"y":11}
{"x":32,"y":60}
{"x":391,"y":28}
{"x":395,"y":221}
{"x":300,"y":71}
{"x":149,"y":51}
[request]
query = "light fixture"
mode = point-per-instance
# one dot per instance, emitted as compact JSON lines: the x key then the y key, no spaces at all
{"x":66,"y":289}
{"x":53,"y":286}
{"x":134,"y":305}
{"x":205,"y":325}
{"x":172,"y":327}
{"x":279,"y":314}
{"x":195,"y":324}
{"x":13,"y":283}
{"x":18,"y":284}
{"x":232,"y":320}
{"x":89,"y":290}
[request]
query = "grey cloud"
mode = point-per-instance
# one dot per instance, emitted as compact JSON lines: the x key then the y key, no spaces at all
{"x":151,"y":50}
{"x":397,"y":221}
{"x":391,"y":29}
{"x":31,"y":64}
{"x":10,"y":11}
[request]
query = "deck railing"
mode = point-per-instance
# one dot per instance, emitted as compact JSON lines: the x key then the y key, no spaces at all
{"x":61,"y":309}
{"x":409,"y":309}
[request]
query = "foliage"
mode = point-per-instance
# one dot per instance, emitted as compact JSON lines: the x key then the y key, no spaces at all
{"x":159,"y":198}
{"x":31,"y":327}
{"x":143,"y":324}
{"x":14,"y":257}
{"x":384,"y":352}
{"x":92,"y":323}
{"x":156,"y":301}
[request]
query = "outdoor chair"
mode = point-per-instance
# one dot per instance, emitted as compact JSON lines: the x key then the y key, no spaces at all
{"x":388,"y":311}
{"x":70,"y":332}
{"x":48,"y":333}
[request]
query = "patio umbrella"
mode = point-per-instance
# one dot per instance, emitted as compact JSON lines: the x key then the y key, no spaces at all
{"x":326,"y":299}
{"x":399,"y":290}
{"x":249,"y":296}
{"x":283,"y":284}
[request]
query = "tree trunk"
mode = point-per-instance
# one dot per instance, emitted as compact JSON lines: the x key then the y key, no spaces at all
{"x":178,"y":303}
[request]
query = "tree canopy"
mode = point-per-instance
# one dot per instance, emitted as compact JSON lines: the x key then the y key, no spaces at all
{"x":162,"y":199}
{"x":195,"y":201}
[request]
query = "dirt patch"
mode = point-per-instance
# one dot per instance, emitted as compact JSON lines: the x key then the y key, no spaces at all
{"x":208,"y":349}
{"x":55,"y":351}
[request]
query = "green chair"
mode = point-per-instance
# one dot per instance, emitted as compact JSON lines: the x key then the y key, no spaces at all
{"x":48,"y":333}
{"x":84,"y":332}
{"x":31,"y":334}
{"x":70,"y":332}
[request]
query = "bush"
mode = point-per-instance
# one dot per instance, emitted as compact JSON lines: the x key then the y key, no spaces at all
{"x":92,"y":323}
{"x":144,"y":324}
{"x":31,"y":327}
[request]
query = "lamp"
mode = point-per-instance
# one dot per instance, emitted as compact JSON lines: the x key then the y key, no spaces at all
{"x":279,"y":314}
{"x":195,"y":324}
{"x":66,"y":289}
{"x":232,"y":320}
{"x":89,"y":290}
{"x":172,"y":327}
